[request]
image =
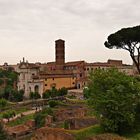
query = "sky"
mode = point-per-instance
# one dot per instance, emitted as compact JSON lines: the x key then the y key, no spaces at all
{"x":29,"y":28}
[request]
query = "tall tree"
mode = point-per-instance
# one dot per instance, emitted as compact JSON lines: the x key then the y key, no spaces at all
{"x":114,"y":97}
{"x":127,"y":39}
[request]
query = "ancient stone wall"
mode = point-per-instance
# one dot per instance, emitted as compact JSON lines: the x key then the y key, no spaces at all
{"x":52,"y":134}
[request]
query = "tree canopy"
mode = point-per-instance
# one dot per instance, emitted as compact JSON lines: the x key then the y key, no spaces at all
{"x":127,"y":39}
{"x":114,"y":97}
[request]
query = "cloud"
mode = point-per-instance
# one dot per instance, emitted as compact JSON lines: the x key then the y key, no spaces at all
{"x":83,"y":23}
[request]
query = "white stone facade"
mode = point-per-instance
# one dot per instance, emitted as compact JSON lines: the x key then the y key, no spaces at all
{"x":28,"y":78}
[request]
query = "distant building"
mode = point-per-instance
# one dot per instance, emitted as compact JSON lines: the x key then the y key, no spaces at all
{"x":28,"y":78}
{"x":41,"y":77}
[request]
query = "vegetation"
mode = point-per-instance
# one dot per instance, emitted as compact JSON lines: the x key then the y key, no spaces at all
{"x":53,"y":103}
{"x":84,"y":133}
{"x":127,"y":39}
{"x":54,"y":92}
{"x":3,"y":134}
{"x":114,"y":97}
{"x":39,"y":117}
{"x":34,"y":95}
{"x":9,"y":114}
{"x":3,"y":103}
{"x":21,"y":120}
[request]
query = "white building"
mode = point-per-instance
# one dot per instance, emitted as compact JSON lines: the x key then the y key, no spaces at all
{"x":29,"y":78}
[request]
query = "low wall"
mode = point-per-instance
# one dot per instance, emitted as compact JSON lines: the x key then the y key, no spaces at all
{"x":46,"y":133}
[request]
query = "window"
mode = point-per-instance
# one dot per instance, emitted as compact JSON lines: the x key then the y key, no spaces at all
{"x":45,"y":85}
{"x":53,"y":79}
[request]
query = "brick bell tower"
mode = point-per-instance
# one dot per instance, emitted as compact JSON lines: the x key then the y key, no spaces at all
{"x":60,"y":54}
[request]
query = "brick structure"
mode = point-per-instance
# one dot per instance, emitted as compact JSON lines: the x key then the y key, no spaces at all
{"x":60,"y":54}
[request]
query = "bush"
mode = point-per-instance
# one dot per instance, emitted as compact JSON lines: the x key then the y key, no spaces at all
{"x":3,"y":103}
{"x":34,"y":95}
{"x":46,"y":94}
{"x":114,"y":97}
{"x":63,"y":91}
{"x":47,"y":111}
{"x":9,"y":114}
{"x":53,"y":103}
{"x":40,"y":117}
{"x":39,"y":120}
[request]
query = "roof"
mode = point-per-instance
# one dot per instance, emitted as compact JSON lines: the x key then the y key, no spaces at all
{"x":26,"y":65}
{"x":99,"y":64}
{"x":74,"y":63}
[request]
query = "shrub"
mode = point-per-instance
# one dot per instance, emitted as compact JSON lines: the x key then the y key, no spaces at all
{"x":46,"y":94}
{"x":53,"y":103}
{"x":34,"y":95}
{"x":63,"y":91}
{"x":3,"y":103}
{"x":39,"y":119}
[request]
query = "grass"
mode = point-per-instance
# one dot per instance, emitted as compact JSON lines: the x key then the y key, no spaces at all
{"x":18,"y":111}
{"x":82,"y":134}
{"x":21,"y":120}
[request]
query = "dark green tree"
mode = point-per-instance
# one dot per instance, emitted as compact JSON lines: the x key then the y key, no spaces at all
{"x":127,"y":39}
{"x":62,"y":91}
{"x":34,"y":95}
{"x":114,"y":97}
{"x":46,"y":94}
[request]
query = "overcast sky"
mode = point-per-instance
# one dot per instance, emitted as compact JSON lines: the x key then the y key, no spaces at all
{"x":29,"y":28}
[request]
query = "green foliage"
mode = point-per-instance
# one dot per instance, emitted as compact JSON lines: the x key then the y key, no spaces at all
{"x":47,"y":111}
{"x":3,"y":103}
{"x":127,"y":39}
{"x":21,"y":120}
{"x":114,"y":97}
{"x":54,"y":93}
{"x":34,"y":95}
{"x":85,"y":133}
{"x":39,"y":120}
{"x":86,"y":92}
{"x":62,"y":91}
{"x":53,"y":103}
{"x":3,"y":134}
{"x":39,"y":117}
{"x":9,"y":114}
{"x":46,"y":94}
{"x":66,"y":125}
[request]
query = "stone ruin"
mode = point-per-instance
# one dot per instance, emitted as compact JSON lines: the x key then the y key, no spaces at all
{"x":47,"y":133}
{"x":78,"y":123}
{"x":71,"y":112}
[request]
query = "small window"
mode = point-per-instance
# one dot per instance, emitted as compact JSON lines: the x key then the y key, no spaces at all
{"x":73,"y":83}
{"x":53,"y":78}
{"x":87,"y":69}
{"x":45,"y":85}
{"x":33,"y":74}
{"x":46,"y":79}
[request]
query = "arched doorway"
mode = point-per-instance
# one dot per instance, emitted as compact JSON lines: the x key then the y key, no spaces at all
{"x":36,"y":89}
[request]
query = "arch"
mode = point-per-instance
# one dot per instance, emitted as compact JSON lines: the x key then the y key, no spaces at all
{"x":36,"y":88}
